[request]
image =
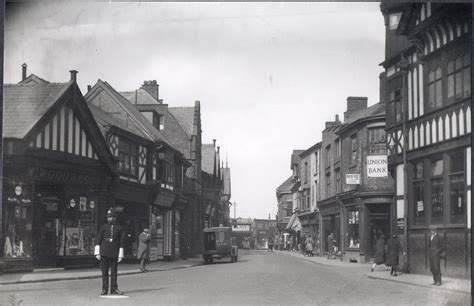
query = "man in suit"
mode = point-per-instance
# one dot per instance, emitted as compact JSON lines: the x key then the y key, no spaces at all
{"x":436,"y":251}
{"x":143,"y":248}
{"x":109,"y":250}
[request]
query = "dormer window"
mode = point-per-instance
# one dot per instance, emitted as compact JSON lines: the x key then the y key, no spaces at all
{"x":158,"y":121}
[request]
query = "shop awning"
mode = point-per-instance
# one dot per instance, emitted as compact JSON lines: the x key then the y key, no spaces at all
{"x":294,"y":224}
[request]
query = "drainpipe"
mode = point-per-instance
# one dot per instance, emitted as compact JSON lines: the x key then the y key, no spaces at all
{"x":404,"y":65}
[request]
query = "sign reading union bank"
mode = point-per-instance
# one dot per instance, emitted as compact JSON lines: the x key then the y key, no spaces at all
{"x":377,"y":166}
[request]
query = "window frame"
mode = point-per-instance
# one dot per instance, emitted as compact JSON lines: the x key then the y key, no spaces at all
{"x":374,"y":142}
{"x":128,"y":149}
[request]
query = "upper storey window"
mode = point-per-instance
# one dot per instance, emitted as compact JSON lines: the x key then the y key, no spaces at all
{"x":394,"y":20}
{"x":435,"y":91}
{"x":128,"y":158}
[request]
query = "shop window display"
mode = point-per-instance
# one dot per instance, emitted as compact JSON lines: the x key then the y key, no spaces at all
{"x":352,"y":236}
{"x":18,"y":221}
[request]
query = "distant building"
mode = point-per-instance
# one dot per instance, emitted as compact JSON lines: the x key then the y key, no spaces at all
{"x":264,"y":231}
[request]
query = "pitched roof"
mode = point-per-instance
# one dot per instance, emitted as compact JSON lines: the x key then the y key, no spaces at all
{"x":139,"y":121}
{"x":33,"y":79}
{"x":24,"y":105}
{"x":139,"y":96}
{"x":207,"y":162}
{"x":185,"y":117}
{"x":286,"y":185}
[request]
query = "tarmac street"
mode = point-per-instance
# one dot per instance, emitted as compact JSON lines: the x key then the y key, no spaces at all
{"x":259,"y":277}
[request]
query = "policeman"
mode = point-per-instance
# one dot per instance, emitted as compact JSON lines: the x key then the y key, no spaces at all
{"x":109,"y":250}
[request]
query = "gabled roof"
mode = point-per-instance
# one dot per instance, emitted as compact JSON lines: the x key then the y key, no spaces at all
{"x":33,"y":79}
{"x":287,"y":185}
{"x":311,"y":149}
{"x":24,"y":105}
{"x":185,"y":117}
{"x":129,"y":111}
{"x":139,"y":96}
{"x":208,"y":153}
{"x":371,"y":111}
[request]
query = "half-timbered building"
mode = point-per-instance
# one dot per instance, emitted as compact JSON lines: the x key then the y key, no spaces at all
{"x":58,"y":173}
{"x":150,"y":173}
{"x":428,"y":99}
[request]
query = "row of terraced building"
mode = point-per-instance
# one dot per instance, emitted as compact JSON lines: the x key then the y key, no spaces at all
{"x":402,"y":164}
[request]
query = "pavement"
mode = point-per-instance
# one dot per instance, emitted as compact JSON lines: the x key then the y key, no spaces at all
{"x":449,"y":283}
{"x":48,"y":275}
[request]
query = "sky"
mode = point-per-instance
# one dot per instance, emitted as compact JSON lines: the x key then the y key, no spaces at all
{"x":268,"y":75}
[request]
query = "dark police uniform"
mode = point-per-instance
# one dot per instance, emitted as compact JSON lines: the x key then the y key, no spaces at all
{"x":109,"y":245}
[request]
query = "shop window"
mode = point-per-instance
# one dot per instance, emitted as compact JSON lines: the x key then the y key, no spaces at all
{"x":435,"y":92}
{"x":437,"y":192}
{"x":128,"y":158}
{"x":377,"y":141}
{"x":418,"y":193}
{"x":352,"y":236}
{"x":18,"y":209}
{"x":456,"y":187}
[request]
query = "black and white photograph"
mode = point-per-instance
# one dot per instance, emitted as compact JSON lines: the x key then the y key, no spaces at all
{"x":236,"y":153}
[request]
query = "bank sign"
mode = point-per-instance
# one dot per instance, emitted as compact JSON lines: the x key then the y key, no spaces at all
{"x":377,"y":166}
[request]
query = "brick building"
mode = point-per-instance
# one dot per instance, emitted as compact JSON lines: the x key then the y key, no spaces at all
{"x":365,"y":191}
{"x":330,"y":182}
{"x":428,"y":101}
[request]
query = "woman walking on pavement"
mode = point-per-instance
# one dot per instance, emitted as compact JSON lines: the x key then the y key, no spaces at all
{"x":309,"y":246}
{"x":379,"y":257}
{"x":143,"y":246}
{"x":393,"y":250}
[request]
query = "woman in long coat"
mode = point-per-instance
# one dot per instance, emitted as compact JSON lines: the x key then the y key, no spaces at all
{"x":393,"y":250}
{"x":309,"y":246}
{"x":143,"y":244}
{"x":379,"y":257}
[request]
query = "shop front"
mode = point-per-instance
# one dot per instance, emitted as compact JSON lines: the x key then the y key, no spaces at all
{"x":366,"y":217}
{"x":310,"y":227}
{"x":50,"y":216}
{"x":330,"y":237}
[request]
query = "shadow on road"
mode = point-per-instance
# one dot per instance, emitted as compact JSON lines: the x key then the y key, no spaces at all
{"x":144,"y":290}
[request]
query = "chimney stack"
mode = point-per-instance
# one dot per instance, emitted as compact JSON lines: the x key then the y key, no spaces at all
{"x":337,"y":118}
{"x":152,"y":88}
{"x":354,"y":104}
{"x":214,"y":141}
{"x":23,"y":71}
{"x":73,"y":75}
{"x":89,"y":87}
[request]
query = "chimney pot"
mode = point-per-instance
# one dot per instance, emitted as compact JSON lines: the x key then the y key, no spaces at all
{"x":89,"y":87}
{"x":23,"y":71}
{"x":337,"y":118}
{"x":73,"y":75}
{"x":214,"y":141}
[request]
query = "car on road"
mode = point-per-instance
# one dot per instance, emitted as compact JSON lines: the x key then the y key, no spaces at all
{"x":218,"y":244}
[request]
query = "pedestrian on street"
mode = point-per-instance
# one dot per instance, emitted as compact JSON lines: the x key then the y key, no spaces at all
{"x":437,"y":250}
{"x":393,"y":250}
{"x":109,"y":250}
{"x":309,"y":246}
{"x":331,"y":243}
{"x":143,"y":248}
{"x":379,"y":257}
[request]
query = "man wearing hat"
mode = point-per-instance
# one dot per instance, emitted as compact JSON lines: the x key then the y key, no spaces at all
{"x":143,"y":246}
{"x":436,"y":251}
{"x":109,"y":250}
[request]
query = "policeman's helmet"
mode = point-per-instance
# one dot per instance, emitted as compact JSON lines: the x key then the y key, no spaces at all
{"x":111,"y":213}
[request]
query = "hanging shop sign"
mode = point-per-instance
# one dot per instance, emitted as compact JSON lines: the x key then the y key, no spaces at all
{"x":241,"y":228}
{"x":377,"y":166}
{"x":353,"y":179}
{"x":72,"y":203}
{"x":92,"y":204}
{"x":83,"y":203}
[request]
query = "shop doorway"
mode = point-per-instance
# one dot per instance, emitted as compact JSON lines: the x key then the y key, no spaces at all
{"x":47,"y":224}
{"x":379,"y":220}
